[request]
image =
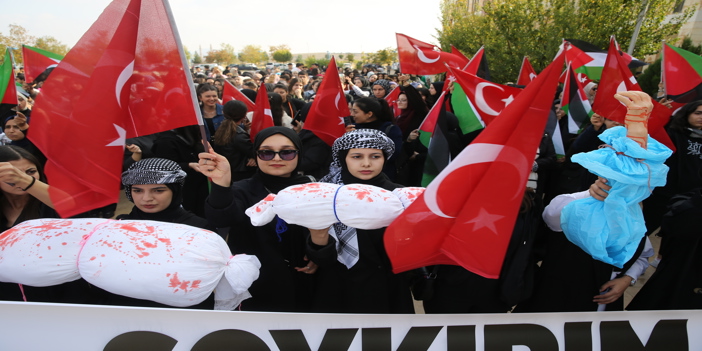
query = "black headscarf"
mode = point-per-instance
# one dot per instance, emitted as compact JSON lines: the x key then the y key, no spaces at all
{"x":160,"y":171}
{"x":249,"y":93}
{"x":275,"y":184}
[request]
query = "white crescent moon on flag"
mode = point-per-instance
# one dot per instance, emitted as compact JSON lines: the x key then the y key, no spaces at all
{"x":423,"y":57}
{"x":122,"y":80}
{"x":480,"y":100}
{"x":621,"y":87}
{"x":473,"y":154}
{"x":336,"y":101}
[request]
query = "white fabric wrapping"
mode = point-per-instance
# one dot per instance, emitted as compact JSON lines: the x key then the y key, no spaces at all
{"x":173,"y":264}
{"x":319,"y":205}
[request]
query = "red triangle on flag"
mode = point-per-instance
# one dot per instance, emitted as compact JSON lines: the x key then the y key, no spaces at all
{"x":466,"y":215}
{"x":526,"y":72}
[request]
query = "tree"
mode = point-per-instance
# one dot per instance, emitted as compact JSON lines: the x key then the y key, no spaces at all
{"x":197,"y":58}
{"x":298,"y":58}
{"x":349,"y":57}
{"x":253,"y":54}
{"x":188,"y":54}
{"x":18,"y":36}
{"x":511,"y":29}
{"x":384,"y":56}
{"x":282,"y":56}
{"x":51,"y":44}
{"x":273,"y":48}
{"x":225,"y":55}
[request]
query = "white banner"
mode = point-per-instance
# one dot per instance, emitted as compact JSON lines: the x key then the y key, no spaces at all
{"x":38,"y":327}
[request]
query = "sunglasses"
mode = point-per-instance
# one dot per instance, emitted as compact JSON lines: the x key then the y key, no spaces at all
{"x":285,"y":155}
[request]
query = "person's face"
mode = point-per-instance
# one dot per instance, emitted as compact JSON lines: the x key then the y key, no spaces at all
{"x":303,"y":78}
{"x":359,"y":116}
{"x":209,"y":98}
{"x":25,"y":166}
{"x":378,"y":91}
{"x":237,"y":81}
{"x":695,"y":118}
{"x":282,"y":92}
{"x":152,"y":198}
{"x":13,"y":131}
{"x":358,"y":82}
{"x":297,"y":86}
{"x":209,"y":81}
{"x":610,"y":123}
{"x":277,"y":166}
{"x":373,"y":78}
{"x":22,"y":103}
{"x":219,"y":85}
{"x":365,"y":164}
{"x":593,"y":91}
{"x":432,"y":90}
{"x":402,"y":101}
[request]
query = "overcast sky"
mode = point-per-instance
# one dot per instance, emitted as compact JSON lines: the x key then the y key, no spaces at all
{"x":305,"y":26}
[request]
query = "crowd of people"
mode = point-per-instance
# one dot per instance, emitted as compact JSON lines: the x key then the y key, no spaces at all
{"x":172,"y":177}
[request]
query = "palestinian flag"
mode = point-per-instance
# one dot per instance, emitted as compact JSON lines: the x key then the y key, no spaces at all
{"x":37,"y":61}
{"x":478,"y":65}
{"x":469,"y":119}
{"x":682,"y":74}
{"x":8,"y":89}
{"x":589,"y":59}
{"x":575,"y":103}
{"x":439,"y":154}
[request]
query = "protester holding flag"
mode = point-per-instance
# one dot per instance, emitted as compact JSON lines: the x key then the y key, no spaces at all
{"x":374,"y":113}
{"x":286,"y":275}
{"x":435,"y":89}
{"x":232,"y":140}
{"x":16,"y":128}
{"x":211,"y":108}
{"x":355,"y":274}
{"x":685,"y":130}
{"x":360,"y":87}
{"x":280,"y":117}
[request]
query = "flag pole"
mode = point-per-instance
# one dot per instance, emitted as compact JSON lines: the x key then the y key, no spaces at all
{"x":665,"y":91}
{"x":188,"y":76}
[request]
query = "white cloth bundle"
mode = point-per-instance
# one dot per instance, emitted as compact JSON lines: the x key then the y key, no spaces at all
{"x":319,"y":205}
{"x":173,"y":264}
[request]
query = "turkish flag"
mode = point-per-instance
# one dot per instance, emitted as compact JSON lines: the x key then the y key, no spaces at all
{"x":418,"y":57}
{"x":391,"y":99}
{"x":458,"y":53}
{"x":36,"y":61}
{"x":262,"y":117}
{"x":478,"y":65}
{"x":488,"y":98}
{"x":617,"y":77}
{"x":467,"y":214}
{"x":124,"y":78}
{"x":326,"y":116}
{"x":526,"y":72}
{"x":230,"y":92}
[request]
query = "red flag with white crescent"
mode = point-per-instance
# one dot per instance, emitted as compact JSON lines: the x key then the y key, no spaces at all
{"x":488,"y":98}
{"x":526,"y":72}
{"x":467,"y":214}
{"x":124,"y":78}
{"x":326,"y":116}
{"x":418,"y":57}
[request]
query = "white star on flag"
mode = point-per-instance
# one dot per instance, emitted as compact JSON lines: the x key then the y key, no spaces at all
{"x":122,"y":137}
{"x":508,"y":100}
{"x":485,"y":219}
{"x":341,"y":120}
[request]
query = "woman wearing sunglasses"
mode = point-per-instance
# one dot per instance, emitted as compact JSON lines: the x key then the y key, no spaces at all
{"x":285,"y":277}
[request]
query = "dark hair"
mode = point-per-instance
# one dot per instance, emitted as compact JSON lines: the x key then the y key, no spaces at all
{"x":364,"y":82}
{"x":269,"y":87}
{"x":291,"y":85}
{"x":203,"y":88}
{"x":680,"y":120}
{"x":379,"y":107}
{"x":14,"y":153}
{"x":276,"y":108}
{"x":414,"y":99}
{"x":234,"y":111}
{"x":251,"y":85}
{"x":302,"y":73}
{"x":280,"y":86}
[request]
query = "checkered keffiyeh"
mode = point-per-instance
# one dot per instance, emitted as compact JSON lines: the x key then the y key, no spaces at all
{"x":152,"y":171}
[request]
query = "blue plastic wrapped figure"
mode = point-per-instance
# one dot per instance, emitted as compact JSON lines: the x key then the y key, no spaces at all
{"x":611,"y":230}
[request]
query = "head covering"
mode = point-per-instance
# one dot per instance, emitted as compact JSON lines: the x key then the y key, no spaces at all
{"x":249,"y":93}
{"x":356,"y":139}
{"x":438,"y":86}
{"x":383,"y":83}
{"x":153,"y":171}
{"x":275,"y":183}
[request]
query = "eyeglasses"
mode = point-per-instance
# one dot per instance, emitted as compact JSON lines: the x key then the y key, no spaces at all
{"x":285,"y":155}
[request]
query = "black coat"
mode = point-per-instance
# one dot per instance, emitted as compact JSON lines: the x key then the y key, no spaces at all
{"x":238,"y":151}
{"x":367,"y":287}
{"x":279,"y":287}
